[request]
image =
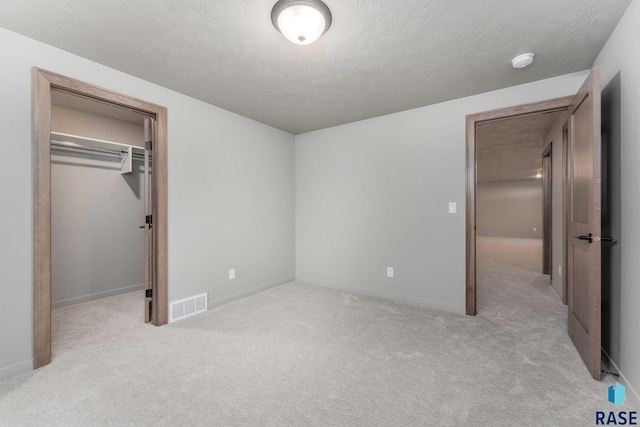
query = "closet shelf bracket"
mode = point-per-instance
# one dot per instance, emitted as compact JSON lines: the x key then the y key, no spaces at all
{"x":126,"y":166}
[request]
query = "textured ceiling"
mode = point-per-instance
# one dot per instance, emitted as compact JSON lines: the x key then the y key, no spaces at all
{"x":511,"y":149}
{"x":377,"y":58}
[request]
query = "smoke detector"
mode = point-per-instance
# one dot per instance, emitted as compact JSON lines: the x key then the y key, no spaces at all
{"x":523,"y":60}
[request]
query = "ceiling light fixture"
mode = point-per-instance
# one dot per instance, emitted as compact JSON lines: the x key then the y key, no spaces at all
{"x":301,"y":21}
{"x":523,"y":60}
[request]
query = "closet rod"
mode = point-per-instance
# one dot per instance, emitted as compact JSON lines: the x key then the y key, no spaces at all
{"x":126,"y":152}
{"x":75,"y":148}
{"x":83,"y":141}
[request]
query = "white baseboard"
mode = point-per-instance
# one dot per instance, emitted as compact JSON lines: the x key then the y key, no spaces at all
{"x":221,"y":301}
{"x":556,"y":291}
{"x":421,"y":302}
{"x":17,"y":369}
{"x":632,"y":398}
{"x":91,"y":297}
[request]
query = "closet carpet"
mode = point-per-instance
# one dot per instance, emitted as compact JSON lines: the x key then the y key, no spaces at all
{"x":302,"y":355}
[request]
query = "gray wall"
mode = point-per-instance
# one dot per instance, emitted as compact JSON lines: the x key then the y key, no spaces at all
{"x":97,"y":247}
{"x":619,"y":58}
{"x":231,"y":193}
{"x":509,"y":209}
{"x":375,"y":193}
{"x":557,"y":227}
{"x":611,"y":220}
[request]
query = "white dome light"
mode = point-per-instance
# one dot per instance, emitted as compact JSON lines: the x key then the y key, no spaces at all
{"x":301,"y":21}
{"x":523,"y":60}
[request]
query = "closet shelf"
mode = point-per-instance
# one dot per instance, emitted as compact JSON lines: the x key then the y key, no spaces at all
{"x":126,"y":152}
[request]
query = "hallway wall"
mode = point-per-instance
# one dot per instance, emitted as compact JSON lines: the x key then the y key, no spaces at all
{"x":509,"y":209}
{"x":557,"y":226}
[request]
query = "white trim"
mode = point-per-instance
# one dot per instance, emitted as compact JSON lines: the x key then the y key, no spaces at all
{"x":248,"y":292}
{"x":421,"y":302}
{"x":17,"y":369}
{"x":632,"y":398}
{"x":91,"y":297}
{"x":556,"y":292}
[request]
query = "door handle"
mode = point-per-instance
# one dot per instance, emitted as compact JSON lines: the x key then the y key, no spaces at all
{"x":142,"y":226}
{"x":591,"y":238}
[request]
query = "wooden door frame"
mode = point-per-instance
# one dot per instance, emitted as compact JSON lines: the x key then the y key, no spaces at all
{"x":547,"y":211}
{"x":44,"y":83}
{"x":557,"y":104}
{"x":565,"y":216}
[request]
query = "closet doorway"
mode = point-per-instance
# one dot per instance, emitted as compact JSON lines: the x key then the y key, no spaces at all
{"x":149,"y":120}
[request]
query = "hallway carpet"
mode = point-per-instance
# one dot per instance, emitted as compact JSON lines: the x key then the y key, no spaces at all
{"x":302,"y":355}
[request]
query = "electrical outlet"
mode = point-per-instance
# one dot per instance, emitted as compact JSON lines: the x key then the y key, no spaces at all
{"x":389,"y":271}
{"x":232,"y":273}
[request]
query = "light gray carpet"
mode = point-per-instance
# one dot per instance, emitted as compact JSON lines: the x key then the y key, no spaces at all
{"x":303,"y":355}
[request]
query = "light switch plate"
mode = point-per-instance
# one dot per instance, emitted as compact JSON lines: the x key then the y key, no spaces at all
{"x":453,"y":207}
{"x":389,"y":271}
{"x":232,"y":273}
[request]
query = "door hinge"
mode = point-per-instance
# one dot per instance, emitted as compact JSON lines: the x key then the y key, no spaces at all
{"x":149,"y":220}
{"x":148,"y":145}
{"x":148,"y":293}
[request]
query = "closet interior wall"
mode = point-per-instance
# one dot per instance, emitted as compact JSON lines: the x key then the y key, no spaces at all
{"x":97,"y":245}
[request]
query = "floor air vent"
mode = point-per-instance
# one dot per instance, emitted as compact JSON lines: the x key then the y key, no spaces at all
{"x":188,"y":307}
